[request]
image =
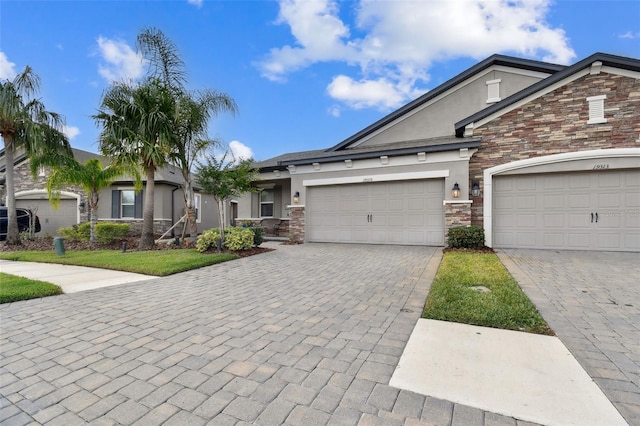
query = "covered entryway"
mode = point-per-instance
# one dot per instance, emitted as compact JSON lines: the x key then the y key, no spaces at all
{"x":592,"y":210}
{"x":400,"y":212}
{"x":51,"y":219}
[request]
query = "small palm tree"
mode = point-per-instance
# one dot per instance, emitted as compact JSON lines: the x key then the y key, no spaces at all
{"x":25,"y":123}
{"x":91,"y":176}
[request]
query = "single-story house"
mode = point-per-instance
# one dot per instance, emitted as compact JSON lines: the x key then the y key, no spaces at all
{"x":118,"y":203}
{"x":540,"y":155}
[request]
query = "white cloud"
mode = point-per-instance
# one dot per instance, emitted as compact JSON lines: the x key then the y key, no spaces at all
{"x":398,"y":41}
{"x":334,"y":111}
{"x":240,"y":151}
{"x":71,"y":131}
{"x":7,"y":68}
{"x":630,"y":35}
{"x":197,"y":3}
{"x":365,"y":93}
{"x":121,"y":62}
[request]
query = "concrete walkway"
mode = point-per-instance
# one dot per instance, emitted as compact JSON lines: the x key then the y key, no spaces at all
{"x":307,"y":334}
{"x":70,"y":278}
{"x":592,"y":301}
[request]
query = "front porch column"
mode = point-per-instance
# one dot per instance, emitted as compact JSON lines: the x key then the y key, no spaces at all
{"x":296,"y":223}
{"x":457,"y":213}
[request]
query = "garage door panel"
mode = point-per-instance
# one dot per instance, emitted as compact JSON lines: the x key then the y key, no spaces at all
{"x":51,"y":219}
{"x":409,"y":212}
{"x":567,"y":205}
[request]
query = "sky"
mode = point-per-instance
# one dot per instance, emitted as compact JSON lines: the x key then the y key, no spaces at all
{"x":306,"y":74}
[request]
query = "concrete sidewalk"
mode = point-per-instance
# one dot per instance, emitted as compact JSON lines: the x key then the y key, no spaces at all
{"x":71,"y":278}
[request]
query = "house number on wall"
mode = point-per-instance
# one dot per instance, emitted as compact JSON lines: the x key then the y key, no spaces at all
{"x":600,"y":166}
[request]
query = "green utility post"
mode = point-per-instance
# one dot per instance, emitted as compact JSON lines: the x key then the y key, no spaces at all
{"x":59,"y":246}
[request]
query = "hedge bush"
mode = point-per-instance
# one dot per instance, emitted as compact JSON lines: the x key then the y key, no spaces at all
{"x":471,"y":237}
{"x":80,"y":232}
{"x":238,"y":238}
{"x":108,"y":232}
{"x":258,"y":233}
{"x":208,"y":240}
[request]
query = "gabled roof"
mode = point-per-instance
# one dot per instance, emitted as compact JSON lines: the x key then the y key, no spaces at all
{"x":493,"y":60}
{"x":606,"y":59}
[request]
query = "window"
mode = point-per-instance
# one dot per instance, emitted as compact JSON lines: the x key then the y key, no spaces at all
{"x":266,"y":203}
{"x":127,"y":204}
{"x":197,"y":201}
{"x":596,"y":109}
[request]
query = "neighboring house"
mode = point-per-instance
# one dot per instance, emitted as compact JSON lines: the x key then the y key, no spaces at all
{"x":119,"y":203}
{"x":543,"y":155}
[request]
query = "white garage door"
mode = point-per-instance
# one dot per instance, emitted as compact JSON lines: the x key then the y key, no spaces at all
{"x":405,"y":212}
{"x":574,"y":211}
{"x":51,"y":219}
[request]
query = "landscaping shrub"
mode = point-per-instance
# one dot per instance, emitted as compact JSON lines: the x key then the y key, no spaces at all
{"x":471,"y":237}
{"x":208,"y":240}
{"x":107,"y":232}
{"x":80,"y":232}
{"x":238,"y":238}
{"x":258,"y":233}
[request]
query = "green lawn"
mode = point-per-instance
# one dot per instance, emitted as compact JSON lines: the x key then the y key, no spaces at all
{"x":14,"y":288}
{"x":154,"y":262}
{"x":454,"y":298}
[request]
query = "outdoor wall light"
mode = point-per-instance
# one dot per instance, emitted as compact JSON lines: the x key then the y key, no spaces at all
{"x":455,"y":191}
{"x":296,"y":198}
{"x":475,"y":189}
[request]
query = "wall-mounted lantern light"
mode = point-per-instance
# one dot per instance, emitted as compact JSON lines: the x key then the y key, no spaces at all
{"x":475,"y":189}
{"x":455,"y":191}
{"x":296,"y":198}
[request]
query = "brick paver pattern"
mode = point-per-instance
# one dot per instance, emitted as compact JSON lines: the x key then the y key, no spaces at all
{"x":304,"y":335}
{"x":592,"y":301}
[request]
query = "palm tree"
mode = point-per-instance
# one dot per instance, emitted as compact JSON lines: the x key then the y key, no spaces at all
{"x":91,"y":176}
{"x":192,"y":117}
{"x":136,"y":131}
{"x":25,"y":123}
{"x":192,"y":114}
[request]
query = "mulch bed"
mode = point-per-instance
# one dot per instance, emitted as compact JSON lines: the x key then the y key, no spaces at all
{"x":46,"y":244}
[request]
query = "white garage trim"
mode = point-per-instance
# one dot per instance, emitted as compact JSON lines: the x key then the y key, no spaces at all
{"x":537,"y":161}
{"x":377,"y":178}
{"x":63,"y":194}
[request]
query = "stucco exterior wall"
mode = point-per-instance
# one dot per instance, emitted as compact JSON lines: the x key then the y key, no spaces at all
{"x":438,"y":118}
{"x":557,"y":123}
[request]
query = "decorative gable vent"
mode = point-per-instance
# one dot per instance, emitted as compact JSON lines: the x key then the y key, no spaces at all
{"x":493,"y":91}
{"x":596,"y":109}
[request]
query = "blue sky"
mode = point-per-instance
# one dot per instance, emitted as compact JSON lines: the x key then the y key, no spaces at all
{"x":305,"y":74}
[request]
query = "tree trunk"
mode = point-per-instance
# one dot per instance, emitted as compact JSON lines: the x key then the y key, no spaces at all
{"x":13,"y":237}
{"x":221,"y":217}
{"x":147,"y":237}
{"x":190,"y":210}
{"x":93,"y":209}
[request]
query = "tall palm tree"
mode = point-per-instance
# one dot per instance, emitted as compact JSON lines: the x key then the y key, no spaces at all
{"x":25,"y":123}
{"x":194,"y":110}
{"x":91,"y":176}
{"x":192,"y":114}
{"x":136,"y":130}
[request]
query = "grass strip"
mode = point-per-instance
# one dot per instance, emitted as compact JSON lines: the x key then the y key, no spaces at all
{"x":13,"y":288}
{"x":153,"y":262}
{"x":457,"y":295}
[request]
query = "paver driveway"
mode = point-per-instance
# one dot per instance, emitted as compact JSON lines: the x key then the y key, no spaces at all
{"x":303,"y":335}
{"x":592,"y":301}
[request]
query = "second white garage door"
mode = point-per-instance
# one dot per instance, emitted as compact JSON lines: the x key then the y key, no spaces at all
{"x":404,"y":212}
{"x":575,"y":211}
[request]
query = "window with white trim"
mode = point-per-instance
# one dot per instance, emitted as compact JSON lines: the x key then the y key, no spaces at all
{"x":267,"y":198}
{"x":596,"y":109}
{"x":493,"y":91}
{"x":127,"y":204}
{"x":197,"y":201}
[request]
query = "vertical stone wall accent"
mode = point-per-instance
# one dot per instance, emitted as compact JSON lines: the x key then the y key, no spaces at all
{"x":457,"y":213}
{"x":557,"y":123}
{"x":296,"y":223}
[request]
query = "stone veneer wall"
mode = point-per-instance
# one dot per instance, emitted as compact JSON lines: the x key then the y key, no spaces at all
{"x":557,"y":123}
{"x":457,"y":213}
{"x":296,"y":223}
